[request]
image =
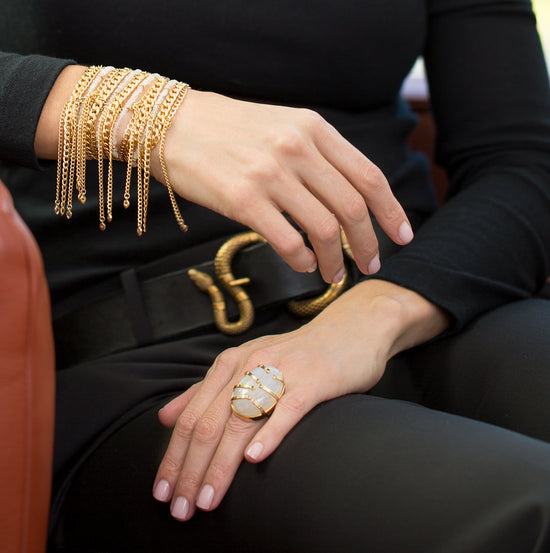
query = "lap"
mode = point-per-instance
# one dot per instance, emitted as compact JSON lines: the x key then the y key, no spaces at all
{"x":358,"y":473}
{"x":496,"y":370}
{"x":361,"y":472}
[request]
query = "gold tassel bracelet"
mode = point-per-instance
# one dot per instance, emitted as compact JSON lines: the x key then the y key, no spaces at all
{"x":101,"y":101}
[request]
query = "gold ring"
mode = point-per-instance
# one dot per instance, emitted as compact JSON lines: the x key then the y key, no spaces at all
{"x":258,"y":392}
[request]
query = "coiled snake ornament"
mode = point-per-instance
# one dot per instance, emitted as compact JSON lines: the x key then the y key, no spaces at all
{"x":234,"y":287}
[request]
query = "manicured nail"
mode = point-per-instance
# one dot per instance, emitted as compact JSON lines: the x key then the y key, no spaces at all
{"x":162,"y":491}
{"x":313,"y":268}
{"x":255,"y":450}
{"x":374,"y":265}
{"x":405,"y":233}
{"x":339,"y":277}
{"x":180,"y":508}
{"x":205,"y":497}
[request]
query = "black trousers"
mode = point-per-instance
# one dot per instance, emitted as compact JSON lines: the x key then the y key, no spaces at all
{"x":448,"y":454}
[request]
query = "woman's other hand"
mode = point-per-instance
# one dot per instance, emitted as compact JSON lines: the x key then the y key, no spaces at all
{"x":253,"y":162}
{"x":342,"y":351}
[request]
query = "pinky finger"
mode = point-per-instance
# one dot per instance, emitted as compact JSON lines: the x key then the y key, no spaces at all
{"x":284,"y":239}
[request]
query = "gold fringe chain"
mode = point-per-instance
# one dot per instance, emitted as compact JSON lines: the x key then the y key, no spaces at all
{"x":103,"y":101}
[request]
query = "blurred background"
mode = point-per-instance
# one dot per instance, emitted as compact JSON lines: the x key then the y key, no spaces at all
{"x":542,"y":10}
{"x":415,"y":84}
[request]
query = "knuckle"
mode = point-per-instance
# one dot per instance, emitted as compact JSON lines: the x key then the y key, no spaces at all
{"x":236,"y":427}
{"x":290,"y":246}
{"x":328,"y":230}
{"x":355,"y":209}
{"x":219,"y":471}
{"x":263,"y":170}
{"x":366,"y":252}
{"x":291,"y":142}
{"x":208,"y":430}
{"x":295,"y":403}
{"x":370,"y":250}
{"x":392,"y":212}
{"x":189,"y":481}
{"x":171,"y":464}
{"x":223,"y":365}
{"x":225,"y":360}
{"x":373,"y":176}
{"x":312,"y":119}
{"x":185,"y":425}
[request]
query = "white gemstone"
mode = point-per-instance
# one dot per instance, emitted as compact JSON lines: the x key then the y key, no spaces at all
{"x":246,"y":408}
{"x":258,"y":392}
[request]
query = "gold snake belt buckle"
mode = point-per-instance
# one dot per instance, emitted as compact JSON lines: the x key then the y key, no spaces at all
{"x":234,"y":287}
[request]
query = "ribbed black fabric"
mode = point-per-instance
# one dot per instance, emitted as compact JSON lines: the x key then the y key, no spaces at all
{"x":490,"y":96}
{"x":24,"y":85}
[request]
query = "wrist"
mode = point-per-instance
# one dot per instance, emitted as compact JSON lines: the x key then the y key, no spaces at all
{"x":396,"y":317}
{"x":47,"y":130}
{"x":415,"y":319}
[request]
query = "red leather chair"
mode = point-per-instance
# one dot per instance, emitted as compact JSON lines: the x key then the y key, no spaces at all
{"x":27,"y":380}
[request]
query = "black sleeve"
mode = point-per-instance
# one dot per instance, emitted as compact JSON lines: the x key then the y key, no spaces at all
{"x":490,"y":243}
{"x":25,"y":82}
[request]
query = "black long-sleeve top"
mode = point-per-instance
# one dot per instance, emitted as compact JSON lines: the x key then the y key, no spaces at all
{"x":489,"y":244}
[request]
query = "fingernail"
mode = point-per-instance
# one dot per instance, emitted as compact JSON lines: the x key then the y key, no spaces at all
{"x":313,"y":268}
{"x":405,"y":233}
{"x":339,"y":277}
{"x":374,"y":265}
{"x":180,"y":508}
{"x":162,"y":491}
{"x":205,"y":497}
{"x":255,"y":450}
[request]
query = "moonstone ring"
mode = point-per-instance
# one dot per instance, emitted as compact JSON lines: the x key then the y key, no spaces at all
{"x":258,"y":392}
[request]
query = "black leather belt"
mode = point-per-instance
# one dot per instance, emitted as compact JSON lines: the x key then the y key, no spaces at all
{"x":147,"y":308}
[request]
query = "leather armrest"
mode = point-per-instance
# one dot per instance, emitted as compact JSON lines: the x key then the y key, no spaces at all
{"x":27,"y":379}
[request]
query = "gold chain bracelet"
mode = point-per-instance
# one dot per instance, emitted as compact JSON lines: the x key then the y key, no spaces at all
{"x":88,"y":129}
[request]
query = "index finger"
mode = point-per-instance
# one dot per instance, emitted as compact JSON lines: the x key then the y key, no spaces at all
{"x":369,"y":181}
{"x":291,"y":408}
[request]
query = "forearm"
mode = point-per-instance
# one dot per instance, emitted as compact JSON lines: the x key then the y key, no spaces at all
{"x":488,"y":245}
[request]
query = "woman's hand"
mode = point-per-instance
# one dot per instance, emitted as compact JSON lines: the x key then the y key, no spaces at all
{"x":343,"y":350}
{"x":252,"y":162}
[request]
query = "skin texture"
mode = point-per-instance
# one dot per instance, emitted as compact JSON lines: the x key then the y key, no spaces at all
{"x":252,"y":162}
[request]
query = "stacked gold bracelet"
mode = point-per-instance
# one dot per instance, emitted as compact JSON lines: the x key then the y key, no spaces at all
{"x":102,"y":102}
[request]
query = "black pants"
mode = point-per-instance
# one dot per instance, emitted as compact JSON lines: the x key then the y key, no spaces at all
{"x":359,"y":473}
